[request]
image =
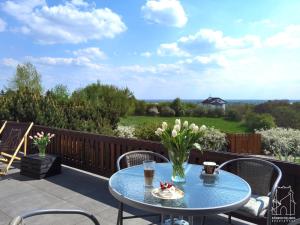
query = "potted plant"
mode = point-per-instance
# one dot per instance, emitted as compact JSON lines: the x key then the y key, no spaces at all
{"x":179,"y":140}
{"x":41,"y":141}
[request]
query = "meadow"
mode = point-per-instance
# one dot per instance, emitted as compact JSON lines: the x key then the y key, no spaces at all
{"x":219,"y":123}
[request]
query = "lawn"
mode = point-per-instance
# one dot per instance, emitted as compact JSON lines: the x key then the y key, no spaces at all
{"x":220,"y":123}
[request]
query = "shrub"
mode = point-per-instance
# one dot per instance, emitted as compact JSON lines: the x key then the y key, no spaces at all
{"x":146,"y":131}
{"x":125,"y":131}
{"x":233,"y":115}
{"x":215,"y":112}
{"x":153,"y":111}
{"x":281,"y":142}
{"x":140,"y":108}
{"x":286,"y":117}
{"x":199,"y":111}
{"x":213,"y":140}
{"x":254,"y":121}
{"x":167,"y":111}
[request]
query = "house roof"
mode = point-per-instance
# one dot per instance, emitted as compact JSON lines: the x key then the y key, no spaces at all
{"x":214,"y":101}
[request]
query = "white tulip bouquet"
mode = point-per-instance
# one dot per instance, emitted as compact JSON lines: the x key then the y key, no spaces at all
{"x":179,"y":140}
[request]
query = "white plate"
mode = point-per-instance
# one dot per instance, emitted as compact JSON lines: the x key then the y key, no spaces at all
{"x":178,"y":194}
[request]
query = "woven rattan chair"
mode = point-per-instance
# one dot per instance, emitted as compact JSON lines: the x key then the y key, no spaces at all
{"x":295,"y":222}
{"x":263,"y":178}
{"x":134,"y":158}
{"x":13,"y":137}
{"x":19,"y":220}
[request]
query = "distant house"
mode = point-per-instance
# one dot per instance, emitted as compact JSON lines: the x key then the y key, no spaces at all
{"x":214,"y":103}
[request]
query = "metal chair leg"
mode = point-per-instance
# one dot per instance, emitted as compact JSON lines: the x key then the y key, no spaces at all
{"x":203,"y":220}
{"x":191,"y":220}
{"x":229,"y":219}
{"x":120,"y":214}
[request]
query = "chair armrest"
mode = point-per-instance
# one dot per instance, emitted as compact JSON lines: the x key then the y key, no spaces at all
{"x":18,"y":220}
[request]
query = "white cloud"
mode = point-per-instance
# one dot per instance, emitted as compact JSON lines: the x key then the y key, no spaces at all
{"x":86,"y":57}
{"x":167,"y":12}
{"x":2,"y":25}
{"x":92,"y":52}
{"x":264,"y":22}
{"x":66,"y":23}
{"x":171,"y":49}
{"x":208,"y":40}
{"x":80,"y":3}
{"x":146,"y":54}
{"x":9,"y":62}
{"x":289,"y":38}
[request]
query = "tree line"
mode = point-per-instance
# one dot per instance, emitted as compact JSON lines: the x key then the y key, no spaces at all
{"x":98,"y":107}
{"x":94,"y":108}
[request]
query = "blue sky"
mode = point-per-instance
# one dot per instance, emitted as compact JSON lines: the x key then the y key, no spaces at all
{"x":160,"y":49}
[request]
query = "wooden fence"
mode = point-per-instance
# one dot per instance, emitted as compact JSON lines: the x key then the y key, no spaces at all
{"x":98,"y":154}
{"x":244,"y":143}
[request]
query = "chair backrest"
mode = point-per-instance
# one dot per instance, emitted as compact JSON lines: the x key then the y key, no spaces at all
{"x":19,"y":220}
{"x":137,"y":157}
{"x":257,"y":172}
{"x":12,"y":135}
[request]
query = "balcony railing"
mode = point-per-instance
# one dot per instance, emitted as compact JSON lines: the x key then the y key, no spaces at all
{"x":99,"y":153}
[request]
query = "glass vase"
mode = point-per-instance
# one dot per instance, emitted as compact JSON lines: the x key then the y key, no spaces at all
{"x":42,"y":151}
{"x":179,"y":159}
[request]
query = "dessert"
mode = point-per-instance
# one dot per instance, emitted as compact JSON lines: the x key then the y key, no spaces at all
{"x":167,"y":190}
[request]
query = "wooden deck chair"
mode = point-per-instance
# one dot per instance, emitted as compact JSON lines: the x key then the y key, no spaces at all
{"x":13,"y":136}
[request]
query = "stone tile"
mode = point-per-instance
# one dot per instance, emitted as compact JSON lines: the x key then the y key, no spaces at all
{"x":4,"y":218}
{"x":8,"y":187}
{"x":72,"y":189}
{"x":64,"y":219}
{"x":31,"y":200}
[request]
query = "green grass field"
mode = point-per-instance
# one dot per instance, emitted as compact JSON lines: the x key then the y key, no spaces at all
{"x":223,"y":125}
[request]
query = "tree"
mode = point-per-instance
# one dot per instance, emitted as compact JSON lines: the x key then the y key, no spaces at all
{"x":177,"y":106}
{"x":27,"y":77}
{"x":254,"y":121}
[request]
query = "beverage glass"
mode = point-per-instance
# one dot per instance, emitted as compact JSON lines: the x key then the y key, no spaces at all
{"x":149,"y":169}
{"x":209,"y":167}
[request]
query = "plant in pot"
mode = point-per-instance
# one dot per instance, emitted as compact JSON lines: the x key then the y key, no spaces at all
{"x":179,"y":140}
{"x":41,"y":140}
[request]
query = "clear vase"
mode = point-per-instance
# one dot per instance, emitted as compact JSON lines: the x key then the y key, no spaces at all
{"x":179,"y":160}
{"x":42,"y":151}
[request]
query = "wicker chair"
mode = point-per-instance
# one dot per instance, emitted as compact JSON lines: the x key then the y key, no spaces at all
{"x":260,"y":174}
{"x":295,"y":222}
{"x":134,"y":158}
{"x":19,"y":220}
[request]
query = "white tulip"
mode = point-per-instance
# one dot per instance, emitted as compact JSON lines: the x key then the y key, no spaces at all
{"x":158,"y":132}
{"x":174,"y":133}
{"x":202,"y":128}
{"x":195,"y":129}
{"x":177,"y":128}
{"x":178,"y":122}
{"x":185,"y":124}
{"x":164,"y":125}
{"x":192,"y":126}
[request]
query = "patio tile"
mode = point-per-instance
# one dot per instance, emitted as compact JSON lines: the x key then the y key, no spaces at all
{"x":4,"y":218}
{"x":20,"y":202}
{"x":63,"y":219}
{"x":72,"y":189}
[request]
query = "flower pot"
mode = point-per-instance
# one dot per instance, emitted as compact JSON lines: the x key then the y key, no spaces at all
{"x":179,"y":160}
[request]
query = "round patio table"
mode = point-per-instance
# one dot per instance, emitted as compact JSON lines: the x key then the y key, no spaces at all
{"x":202,"y":195}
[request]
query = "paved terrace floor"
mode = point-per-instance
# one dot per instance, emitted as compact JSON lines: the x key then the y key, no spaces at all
{"x":73,"y":189}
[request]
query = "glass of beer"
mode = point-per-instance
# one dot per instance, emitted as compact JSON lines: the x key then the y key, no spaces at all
{"x":149,"y":169}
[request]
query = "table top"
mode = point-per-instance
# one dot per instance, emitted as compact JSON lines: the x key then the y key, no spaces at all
{"x":202,"y":196}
